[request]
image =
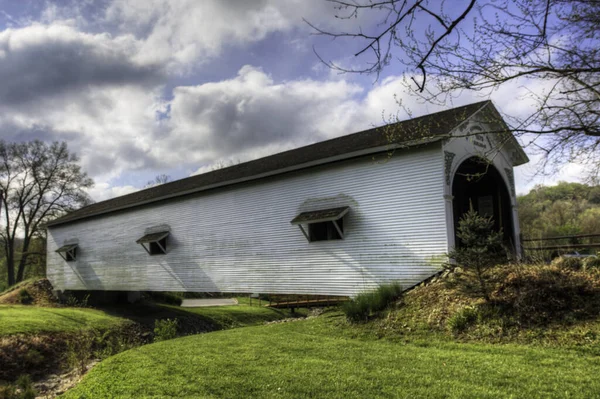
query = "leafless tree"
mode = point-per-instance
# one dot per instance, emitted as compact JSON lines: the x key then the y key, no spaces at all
{"x":222,"y":164}
{"x":447,"y":46}
{"x":39,"y":182}
{"x":158,"y":180}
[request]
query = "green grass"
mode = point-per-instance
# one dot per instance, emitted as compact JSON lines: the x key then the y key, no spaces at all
{"x":18,"y":319}
{"x":238,"y":316}
{"x":23,"y":283}
{"x":318,"y":358}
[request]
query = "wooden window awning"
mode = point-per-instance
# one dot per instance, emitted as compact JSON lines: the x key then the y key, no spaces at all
{"x":332,"y":215}
{"x":324,"y":215}
{"x":68,"y":252}
{"x":154,"y":243}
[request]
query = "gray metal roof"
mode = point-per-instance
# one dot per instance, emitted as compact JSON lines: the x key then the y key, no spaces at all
{"x":152,"y":237}
{"x":323,"y":215}
{"x":66,"y":248}
{"x":417,"y":131}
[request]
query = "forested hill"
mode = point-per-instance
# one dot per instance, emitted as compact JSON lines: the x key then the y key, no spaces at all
{"x":564,"y":209}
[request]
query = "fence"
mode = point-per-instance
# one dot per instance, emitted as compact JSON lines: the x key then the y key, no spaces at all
{"x":562,"y":244}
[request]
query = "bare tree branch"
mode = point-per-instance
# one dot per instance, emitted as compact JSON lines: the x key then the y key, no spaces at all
{"x":446,"y":47}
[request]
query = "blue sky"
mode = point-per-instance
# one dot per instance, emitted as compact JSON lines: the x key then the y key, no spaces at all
{"x":145,"y":87}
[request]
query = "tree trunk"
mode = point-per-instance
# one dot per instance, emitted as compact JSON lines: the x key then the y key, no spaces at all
{"x":10,"y":265}
{"x":21,"y":269}
{"x":23,"y":261}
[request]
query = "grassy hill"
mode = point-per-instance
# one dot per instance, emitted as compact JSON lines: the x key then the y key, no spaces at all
{"x":319,"y":357}
{"x":20,"y":319}
{"x":537,"y":338}
{"x":41,"y":341}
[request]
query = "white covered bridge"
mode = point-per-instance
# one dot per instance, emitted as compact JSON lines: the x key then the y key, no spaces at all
{"x":333,"y":218}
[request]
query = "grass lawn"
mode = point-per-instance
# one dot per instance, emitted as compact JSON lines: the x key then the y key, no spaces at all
{"x":242,"y":315}
{"x":16,"y":319}
{"x":19,"y":319}
{"x":318,"y":358}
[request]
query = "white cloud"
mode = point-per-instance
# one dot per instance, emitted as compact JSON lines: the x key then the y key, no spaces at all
{"x":182,"y":33}
{"x":103,"y":92}
{"x":251,"y":115}
{"x":103,"y":191}
{"x":41,"y":62}
{"x":185,"y":33}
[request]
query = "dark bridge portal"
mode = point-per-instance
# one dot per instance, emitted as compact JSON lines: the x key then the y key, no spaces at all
{"x":479,"y":183}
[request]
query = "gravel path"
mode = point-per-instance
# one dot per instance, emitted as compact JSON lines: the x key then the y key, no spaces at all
{"x":200,"y":303}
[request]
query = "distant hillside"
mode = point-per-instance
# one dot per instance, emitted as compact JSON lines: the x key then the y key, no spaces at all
{"x":564,"y":209}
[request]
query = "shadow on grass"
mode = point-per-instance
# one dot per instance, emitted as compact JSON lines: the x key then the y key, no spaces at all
{"x":196,"y":320}
{"x":146,"y":314}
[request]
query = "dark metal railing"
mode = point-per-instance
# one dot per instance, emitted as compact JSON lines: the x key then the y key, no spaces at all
{"x":574,"y":242}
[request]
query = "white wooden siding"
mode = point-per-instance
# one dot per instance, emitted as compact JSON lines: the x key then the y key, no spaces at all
{"x":239,"y":238}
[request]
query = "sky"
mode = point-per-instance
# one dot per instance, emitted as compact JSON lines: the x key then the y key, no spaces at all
{"x":139,"y":88}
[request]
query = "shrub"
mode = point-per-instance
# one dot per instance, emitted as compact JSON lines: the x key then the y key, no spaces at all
{"x":364,"y":305}
{"x":25,"y":297}
{"x":22,"y":389}
{"x":79,"y":350}
{"x":169,"y":298}
{"x":26,"y":388}
{"x":591,"y":263}
{"x":479,"y":250}
{"x":565,"y":262}
{"x":542,"y":293}
{"x":74,"y":302}
{"x":34,"y":357}
{"x":165,"y":329}
{"x":462,"y":319}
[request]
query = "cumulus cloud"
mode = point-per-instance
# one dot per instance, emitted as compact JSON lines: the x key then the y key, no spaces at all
{"x":185,"y":33}
{"x":47,"y":61}
{"x":103,"y":191}
{"x":109,"y":94}
{"x":253,"y":114}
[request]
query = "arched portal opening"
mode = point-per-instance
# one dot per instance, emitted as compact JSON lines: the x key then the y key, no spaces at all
{"x":478,"y":183}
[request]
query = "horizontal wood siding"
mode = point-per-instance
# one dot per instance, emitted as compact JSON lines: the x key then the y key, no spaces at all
{"x":239,"y":238}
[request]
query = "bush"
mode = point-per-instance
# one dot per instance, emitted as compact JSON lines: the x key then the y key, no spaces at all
{"x":24,"y":297}
{"x":542,"y":293}
{"x":26,"y":388}
{"x":591,"y":263}
{"x":365,"y":304}
{"x":22,"y":389}
{"x":462,"y":319}
{"x":566,"y":262}
{"x":169,"y":298}
{"x":479,"y":250}
{"x":79,"y":350}
{"x":73,"y":301}
{"x":165,"y":329}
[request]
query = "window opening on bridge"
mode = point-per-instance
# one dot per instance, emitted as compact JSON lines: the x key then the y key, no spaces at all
{"x":155,"y":243}
{"x":68,"y":252}
{"x":323,"y":224}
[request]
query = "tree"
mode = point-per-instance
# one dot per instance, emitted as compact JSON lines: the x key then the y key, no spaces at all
{"x":479,"y":250}
{"x":158,"y":180}
{"x":446,"y":46}
{"x":39,"y":182}
{"x":564,"y":209}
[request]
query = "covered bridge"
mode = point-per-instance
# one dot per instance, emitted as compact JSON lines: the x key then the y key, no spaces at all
{"x":333,"y":218}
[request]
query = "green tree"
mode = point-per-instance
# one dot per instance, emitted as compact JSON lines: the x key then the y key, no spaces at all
{"x":480,"y":248}
{"x":564,"y":209}
{"x":39,"y":182}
